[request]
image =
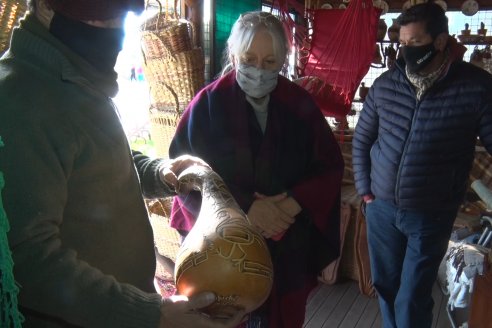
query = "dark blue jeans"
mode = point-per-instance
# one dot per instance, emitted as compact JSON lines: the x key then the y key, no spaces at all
{"x":405,"y":249}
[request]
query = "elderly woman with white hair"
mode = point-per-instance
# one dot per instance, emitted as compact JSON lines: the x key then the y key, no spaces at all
{"x":272,"y":146}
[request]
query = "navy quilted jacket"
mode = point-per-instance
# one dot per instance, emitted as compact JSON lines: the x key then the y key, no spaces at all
{"x":418,"y":154}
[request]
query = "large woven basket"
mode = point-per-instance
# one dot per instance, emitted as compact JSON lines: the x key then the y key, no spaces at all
{"x":164,"y":119}
{"x":160,"y":35}
{"x":482,"y":167}
{"x":182,"y":72}
{"x":163,"y":123}
{"x":345,"y":143}
{"x":166,"y":238}
{"x":170,"y":57}
{"x":166,"y":32}
{"x":174,"y":70}
{"x":10,"y":13}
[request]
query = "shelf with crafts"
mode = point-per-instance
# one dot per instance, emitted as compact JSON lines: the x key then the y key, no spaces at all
{"x":476,"y":40}
{"x":385,"y":49}
{"x":384,"y":53}
{"x":481,"y":38}
{"x":482,"y":57}
{"x":479,"y":45}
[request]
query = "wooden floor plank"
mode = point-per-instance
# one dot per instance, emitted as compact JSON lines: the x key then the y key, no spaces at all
{"x":313,"y":300}
{"x":437,"y":296}
{"x":342,"y":306}
{"x":378,"y":322}
{"x":325,"y":310}
{"x":355,"y":312}
{"x":313,"y":293}
{"x":442,"y":316}
{"x":340,"y":310}
{"x":316,"y":299}
{"x":369,"y":315}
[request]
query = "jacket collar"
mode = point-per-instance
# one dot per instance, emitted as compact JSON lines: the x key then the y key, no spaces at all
{"x":34,"y":40}
{"x":456,"y":50}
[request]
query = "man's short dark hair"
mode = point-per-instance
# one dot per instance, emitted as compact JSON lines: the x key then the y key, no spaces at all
{"x":429,"y":13}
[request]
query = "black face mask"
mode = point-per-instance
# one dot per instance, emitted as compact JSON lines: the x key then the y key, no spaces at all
{"x":418,"y":57}
{"x":99,"y":46}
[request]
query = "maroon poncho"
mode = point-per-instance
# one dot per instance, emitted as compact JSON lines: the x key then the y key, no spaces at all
{"x":297,"y":154}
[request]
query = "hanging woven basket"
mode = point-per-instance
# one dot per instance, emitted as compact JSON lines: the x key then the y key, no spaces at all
{"x":164,"y":119}
{"x":183,"y":72}
{"x":10,"y":13}
{"x":165,"y":31}
{"x":174,"y":69}
{"x":170,"y":56}
{"x":160,"y":34}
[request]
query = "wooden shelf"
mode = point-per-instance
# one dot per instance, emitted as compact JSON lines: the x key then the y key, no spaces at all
{"x":395,"y":6}
{"x":388,"y":42}
{"x":476,"y":43}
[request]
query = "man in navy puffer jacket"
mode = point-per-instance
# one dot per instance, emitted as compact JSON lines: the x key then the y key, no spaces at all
{"x":412,"y":152}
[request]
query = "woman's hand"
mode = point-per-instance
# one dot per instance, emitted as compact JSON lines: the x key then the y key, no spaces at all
{"x":289,"y":206}
{"x":179,"y":312}
{"x":169,"y":173}
{"x":267,"y":217}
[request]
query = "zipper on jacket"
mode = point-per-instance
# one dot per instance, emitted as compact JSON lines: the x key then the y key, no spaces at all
{"x":403,"y":153}
{"x":417,"y":108}
{"x":410,"y":132}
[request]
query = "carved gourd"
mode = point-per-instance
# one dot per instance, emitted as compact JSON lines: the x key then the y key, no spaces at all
{"x":223,"y":253}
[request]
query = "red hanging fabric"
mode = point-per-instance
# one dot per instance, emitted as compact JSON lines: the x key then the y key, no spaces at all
{"x":339,"y":54}
{"x":291,"y":13}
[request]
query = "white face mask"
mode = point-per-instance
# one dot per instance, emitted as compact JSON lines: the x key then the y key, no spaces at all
{"x":256,"y":82}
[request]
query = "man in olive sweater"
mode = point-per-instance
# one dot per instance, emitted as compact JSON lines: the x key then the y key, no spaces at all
{"x":80,"y":236}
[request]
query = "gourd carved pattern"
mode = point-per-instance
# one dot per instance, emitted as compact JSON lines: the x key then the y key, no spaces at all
{"x":223,"y":253}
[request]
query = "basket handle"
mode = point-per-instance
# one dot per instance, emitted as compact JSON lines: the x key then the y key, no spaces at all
{"x":192,"y":30}
{"x":166,"y":12}
{"x":158,"y":14}
{"x":176,"y":16}
{"x":174,"y":95}
{"x":175,"y":10}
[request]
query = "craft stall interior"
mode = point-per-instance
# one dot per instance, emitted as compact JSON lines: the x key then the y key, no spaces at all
{"x":339,"y":47}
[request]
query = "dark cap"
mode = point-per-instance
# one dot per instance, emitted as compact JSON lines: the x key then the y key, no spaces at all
{"x":86,"y":10}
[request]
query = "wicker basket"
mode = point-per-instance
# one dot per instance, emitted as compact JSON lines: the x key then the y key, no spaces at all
{"x":163,"y":123}
{"x":170,"y":58}
{"x":482,"y":168}
{"x":10,"y":13}
{"x":174,"y":70}
{"x":166,"y":32}
{"x":166,"y":238}
{"x":183,"y":73}
{"x":172,"y":35}
{"x":345,"y":143}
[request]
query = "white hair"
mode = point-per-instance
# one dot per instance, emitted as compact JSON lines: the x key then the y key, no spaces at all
{"x":244,"y":30}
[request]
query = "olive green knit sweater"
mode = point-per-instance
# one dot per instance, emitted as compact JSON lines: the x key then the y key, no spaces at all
{"x":80,"y":236}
